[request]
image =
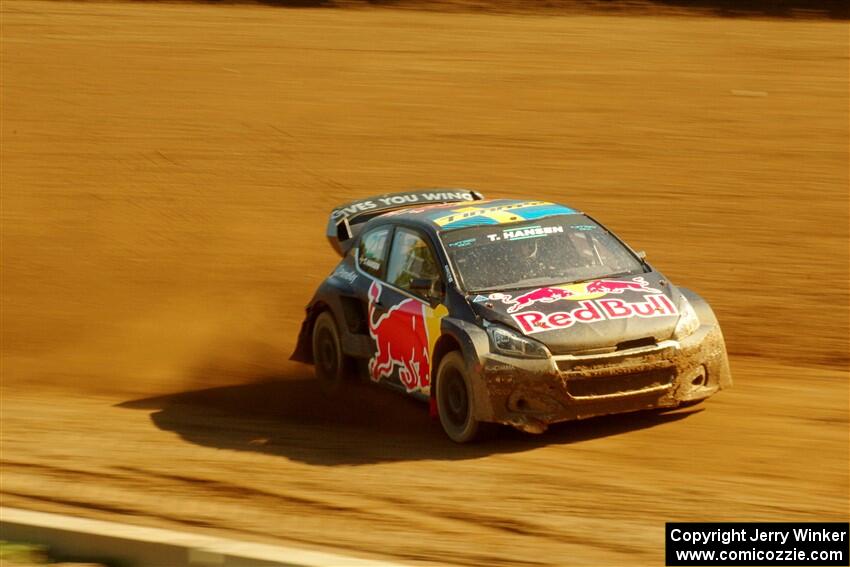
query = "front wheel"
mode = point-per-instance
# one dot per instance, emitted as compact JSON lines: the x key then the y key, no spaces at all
{"x":455,"y":401}
{"x":327,"y":354}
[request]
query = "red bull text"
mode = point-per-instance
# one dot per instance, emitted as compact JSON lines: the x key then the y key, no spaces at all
{"x":594,"y":288}
{"x":591,"y":311}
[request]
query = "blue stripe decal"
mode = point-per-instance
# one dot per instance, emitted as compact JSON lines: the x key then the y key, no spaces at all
{"x":532,"y":213}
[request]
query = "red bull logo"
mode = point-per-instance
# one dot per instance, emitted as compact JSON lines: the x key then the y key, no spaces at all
{"x":575,"y":292}
{"x":542,"y":295}
{"x":591,"y":311}
{"x":618,"y":286}
{"x":401,"y":341}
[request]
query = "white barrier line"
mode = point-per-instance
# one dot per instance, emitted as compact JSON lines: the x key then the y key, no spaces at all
{"x":200,"y":549}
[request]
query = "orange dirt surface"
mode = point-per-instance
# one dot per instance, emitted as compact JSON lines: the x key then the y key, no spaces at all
{"x":167,"y":171}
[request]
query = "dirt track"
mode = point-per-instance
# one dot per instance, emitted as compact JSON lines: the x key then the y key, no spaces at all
{"x":166,"y":172}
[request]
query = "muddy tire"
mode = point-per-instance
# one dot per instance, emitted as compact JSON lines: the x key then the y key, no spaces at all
{"x":328,"y":360}
{"x":456,"y":402}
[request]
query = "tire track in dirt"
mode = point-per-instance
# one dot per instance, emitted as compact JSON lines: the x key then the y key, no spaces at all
{"x":432,"y":519}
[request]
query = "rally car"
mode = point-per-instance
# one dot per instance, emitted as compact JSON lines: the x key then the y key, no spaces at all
{"x":515,"y":312}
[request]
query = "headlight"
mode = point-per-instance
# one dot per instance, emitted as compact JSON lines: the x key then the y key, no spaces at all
{"x":511,"y":343}
{"x":688,"y":320}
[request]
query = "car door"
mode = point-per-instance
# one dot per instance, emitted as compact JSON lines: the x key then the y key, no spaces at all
{"x":403,"y":314}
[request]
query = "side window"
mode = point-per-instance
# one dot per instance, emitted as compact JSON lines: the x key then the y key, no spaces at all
{"x":373,"y":246}
{"x":410,"y":259}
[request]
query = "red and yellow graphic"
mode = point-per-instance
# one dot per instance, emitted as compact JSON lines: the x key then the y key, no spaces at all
{"x":576,"y":292}
{"x":405,"y":336}
{"x":592,"y":311}
{"x":590,"y":308}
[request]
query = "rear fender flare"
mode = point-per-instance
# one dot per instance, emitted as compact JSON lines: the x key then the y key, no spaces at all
{"x":325,"y":299}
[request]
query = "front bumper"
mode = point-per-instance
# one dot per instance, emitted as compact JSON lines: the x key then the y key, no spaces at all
{"x":530,"y":394}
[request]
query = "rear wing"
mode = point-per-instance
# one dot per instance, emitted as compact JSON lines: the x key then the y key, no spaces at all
{"x":345,"y":221}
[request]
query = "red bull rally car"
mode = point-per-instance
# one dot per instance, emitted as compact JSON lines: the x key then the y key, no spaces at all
{"x":515,"y":312}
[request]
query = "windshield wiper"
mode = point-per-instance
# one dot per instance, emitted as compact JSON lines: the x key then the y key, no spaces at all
{"x":531,"y":282}
{"x":491,"y":290}
{"x":521,"y":284}
{"x":617,"y":275}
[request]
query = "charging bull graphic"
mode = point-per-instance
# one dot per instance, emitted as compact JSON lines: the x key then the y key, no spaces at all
{"x":543,"y":295}
{"x":404,"y":337}
{"x":586,"y":290}
{"x":617,"y":286}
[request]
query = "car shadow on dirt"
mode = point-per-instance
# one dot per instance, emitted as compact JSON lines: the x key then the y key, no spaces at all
{"x":292,"y":418}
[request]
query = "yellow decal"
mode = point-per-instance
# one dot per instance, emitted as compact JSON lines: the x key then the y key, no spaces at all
{"x":432,"y":328}
{"x":500,"y":214}
{"x":579,"y":292}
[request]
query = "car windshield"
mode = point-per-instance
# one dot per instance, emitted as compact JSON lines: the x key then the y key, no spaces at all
{"x":554,"y":250}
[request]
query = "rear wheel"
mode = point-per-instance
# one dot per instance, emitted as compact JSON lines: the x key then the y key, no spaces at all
{"x":327,"y":354}
{"x":455,"y":401}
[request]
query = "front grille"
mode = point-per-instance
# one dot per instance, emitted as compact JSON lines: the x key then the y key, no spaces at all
{"x":560,"y":349}
{"x":637,"y":343}
{"x":622,"y":384}
{"x":557,"y":349}
{"x":617,"y":362}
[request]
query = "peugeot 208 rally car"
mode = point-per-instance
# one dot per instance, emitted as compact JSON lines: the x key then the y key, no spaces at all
{"x":505,"y":311}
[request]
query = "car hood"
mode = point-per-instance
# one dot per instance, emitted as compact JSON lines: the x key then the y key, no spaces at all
{"x":595,"y":315}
